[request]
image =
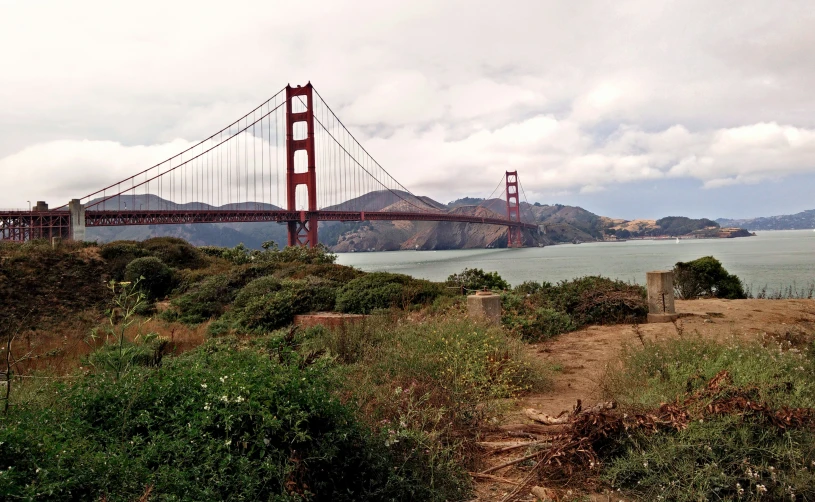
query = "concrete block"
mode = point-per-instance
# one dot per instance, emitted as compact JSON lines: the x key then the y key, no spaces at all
{"x":655,"y":318}
{"x":484,"y":305}
{"x":330,"y":320}
{"x":660,"y":284}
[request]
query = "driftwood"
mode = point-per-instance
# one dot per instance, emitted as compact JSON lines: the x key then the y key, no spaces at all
{"x":545,"y":419}
{"x":565,"y":417}
{"x":522,"y":445}
{"x":512,"y":462}
{"x":541,"y":493}
{"x":490,"y":477}
{"x":533,"y":429}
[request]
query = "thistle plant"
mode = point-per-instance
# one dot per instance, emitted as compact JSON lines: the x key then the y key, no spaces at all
{"x":118,"y":354}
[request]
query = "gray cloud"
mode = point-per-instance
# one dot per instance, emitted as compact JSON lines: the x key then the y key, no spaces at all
{"x":579,"y":97}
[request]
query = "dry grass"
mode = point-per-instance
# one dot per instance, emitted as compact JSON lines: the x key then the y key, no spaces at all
{"x":59,"y":350}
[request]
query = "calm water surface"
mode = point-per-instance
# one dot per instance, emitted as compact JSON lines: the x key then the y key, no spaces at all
{"x":775,"y":259}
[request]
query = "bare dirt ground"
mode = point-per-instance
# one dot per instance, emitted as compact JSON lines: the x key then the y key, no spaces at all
{"x":584,"y":356}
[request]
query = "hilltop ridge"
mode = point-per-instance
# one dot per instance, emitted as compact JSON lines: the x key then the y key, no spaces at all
{"x":558,"y":224}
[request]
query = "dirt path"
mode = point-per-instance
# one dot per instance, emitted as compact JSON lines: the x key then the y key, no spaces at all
{"x":584,"y":356}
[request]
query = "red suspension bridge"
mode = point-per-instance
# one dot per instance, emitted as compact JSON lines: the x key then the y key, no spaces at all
{"x":290,"y":160}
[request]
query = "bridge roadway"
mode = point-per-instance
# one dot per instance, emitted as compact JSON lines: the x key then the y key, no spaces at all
{"x":133,"y":217}
{"x":24,"y":225}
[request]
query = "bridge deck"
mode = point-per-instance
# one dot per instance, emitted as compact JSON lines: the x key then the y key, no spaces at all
{"x":25,"y":225}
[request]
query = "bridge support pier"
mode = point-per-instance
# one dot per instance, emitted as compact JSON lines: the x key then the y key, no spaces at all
{"x":77,"y":211}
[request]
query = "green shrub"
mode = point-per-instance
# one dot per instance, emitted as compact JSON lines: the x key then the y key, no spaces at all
{"x":473,"y":279}
{"x":118,"y":254}
{"x":206,"y":301}
{"x":241,"y":255}
{"x":531,"y":287}
{"x":383,"y":290}
{"x":706,"y":277}
{"x":537,"y":311}
{"x":596,"y":300}
{"x":257,"y":288}
{"x":174,"y":252}
{"x":155,"y":278}
{"x":536,"y":324}
{"x":216,"y":424}
{"x":267,"y":304}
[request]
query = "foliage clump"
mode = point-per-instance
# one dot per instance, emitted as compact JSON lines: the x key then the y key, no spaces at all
{"x":474,"y":279}
{"x":383,"y":290}
{"x":241,"y":255}
{"x":153,"y":276}
{"x":706,"y":277}
{"x":236,"y":424}
{"x":266,"y":303}
{"x":541,"y":310}
{"x":175,"y":252}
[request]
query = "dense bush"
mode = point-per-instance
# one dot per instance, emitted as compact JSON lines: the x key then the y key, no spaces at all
{"x":266,"y":304}
{"x":473,"y":279}
{"x":118,"y":254}
{"x":535,"y":323}
{"x":174,"y":252}
{"x":154,"y":277}
{"x":240,"y":254}
{"x":706,"y":277}
{"x":218,"y":424}
{"x":43,"y":285}
{"x":597,"y":300}
{"x":539,"y":310}
{"x":211,"y":297}
{"x":382,"y":290}
{"x":207,"y":300}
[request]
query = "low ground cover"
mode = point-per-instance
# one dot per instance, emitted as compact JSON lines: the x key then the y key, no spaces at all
{"x":696,"y":419}
{"x":537,"y":311}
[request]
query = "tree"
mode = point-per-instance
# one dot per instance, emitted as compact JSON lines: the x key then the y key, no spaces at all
{"x":475,"y":279}
{"x":706,"y":277}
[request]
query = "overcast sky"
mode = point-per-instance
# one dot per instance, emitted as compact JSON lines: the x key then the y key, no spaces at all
{"x":631,"y":109}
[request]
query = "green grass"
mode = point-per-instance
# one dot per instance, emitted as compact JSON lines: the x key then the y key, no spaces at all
{"x":727,"y":456}
{"x":453,"y":364}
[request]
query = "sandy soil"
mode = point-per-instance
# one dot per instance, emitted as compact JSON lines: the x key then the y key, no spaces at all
{"x":585,"y":355}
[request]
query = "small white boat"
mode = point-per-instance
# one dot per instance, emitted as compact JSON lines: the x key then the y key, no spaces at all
{"x":677,"y":240}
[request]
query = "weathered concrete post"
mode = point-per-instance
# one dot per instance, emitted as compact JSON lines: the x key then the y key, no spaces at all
{"x":484,"y":305}
{"x":77,"y":220}
{"x":661,"y":296}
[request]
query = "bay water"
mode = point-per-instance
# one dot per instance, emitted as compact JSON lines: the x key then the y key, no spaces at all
{"x":775,"y":259}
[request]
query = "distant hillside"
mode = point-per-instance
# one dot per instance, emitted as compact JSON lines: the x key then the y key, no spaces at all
{"x":800,"y":221}
{"x":557,"y":223}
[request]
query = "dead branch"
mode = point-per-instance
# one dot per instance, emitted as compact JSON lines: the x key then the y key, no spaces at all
{"x":513,"y":462}
{"x":490,"y":477}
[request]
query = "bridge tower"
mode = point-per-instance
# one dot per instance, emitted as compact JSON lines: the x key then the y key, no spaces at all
{"x":304,"y":231}
{"x":514,"y":234}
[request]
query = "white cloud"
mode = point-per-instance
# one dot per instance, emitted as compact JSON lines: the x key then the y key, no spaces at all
{"x":447,"y":95}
